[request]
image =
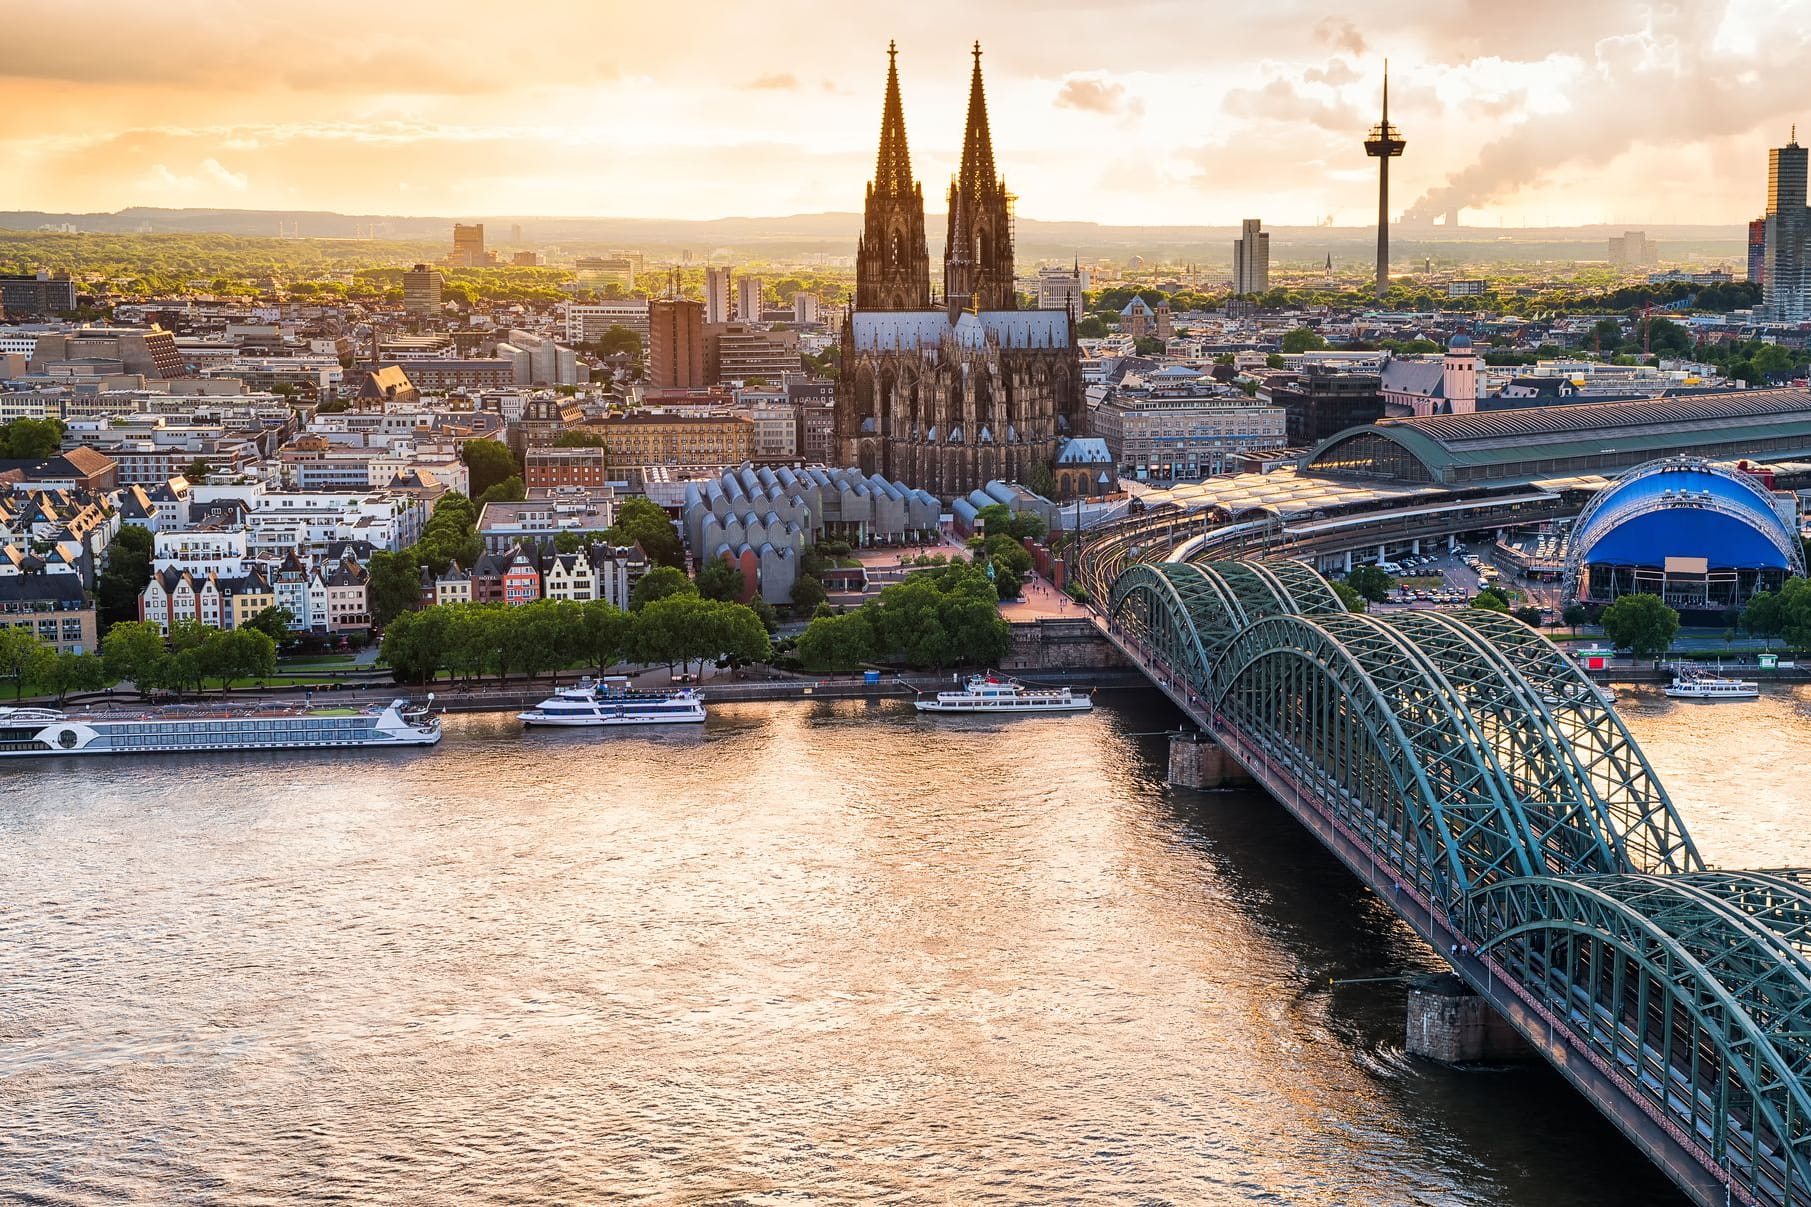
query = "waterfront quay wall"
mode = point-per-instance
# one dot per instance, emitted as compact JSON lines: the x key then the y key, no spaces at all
{"x":1061,"y":644}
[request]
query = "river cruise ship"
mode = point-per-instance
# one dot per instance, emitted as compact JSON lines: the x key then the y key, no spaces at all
{"x":1692,"y":684}
{"x":613,"y":701}
{"x":990,"y":694}
{"x":47,"y":731}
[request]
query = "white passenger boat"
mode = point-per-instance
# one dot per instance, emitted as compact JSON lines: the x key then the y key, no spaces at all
{"x":989,"y":694}
{"x":1690,"y":683}
{"x":613,"y":701}
{"x":43,"y":731}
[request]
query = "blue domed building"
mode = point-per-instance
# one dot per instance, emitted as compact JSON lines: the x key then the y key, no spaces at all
{"x":1702,"y":537}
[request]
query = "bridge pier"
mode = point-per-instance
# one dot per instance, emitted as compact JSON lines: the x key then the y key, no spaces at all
{"x":1197,"y":761}
{"x":1449,"y":1023}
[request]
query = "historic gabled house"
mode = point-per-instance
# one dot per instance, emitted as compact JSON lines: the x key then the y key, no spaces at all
{"x":948,"y":398}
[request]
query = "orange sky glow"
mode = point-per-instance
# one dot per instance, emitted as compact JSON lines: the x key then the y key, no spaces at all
{"x":1147,"y":111}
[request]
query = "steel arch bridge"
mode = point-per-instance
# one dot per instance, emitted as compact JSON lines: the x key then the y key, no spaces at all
{"x":1472,"y":774}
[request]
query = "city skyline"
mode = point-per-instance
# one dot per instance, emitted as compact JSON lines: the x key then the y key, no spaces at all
{"x":1620,"y":112}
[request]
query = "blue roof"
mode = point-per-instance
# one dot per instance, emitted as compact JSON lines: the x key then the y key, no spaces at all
{"x":1674,"y":511}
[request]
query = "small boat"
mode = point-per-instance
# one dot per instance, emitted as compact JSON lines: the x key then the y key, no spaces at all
{"x":613,"y":701}
{"x":1690,"y":683}
{"x":991,"y":694}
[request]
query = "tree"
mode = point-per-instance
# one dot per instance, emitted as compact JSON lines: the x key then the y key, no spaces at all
{"x":838,"y":643}
{"x":721,"y":579}
{"x":1491,"y":600}
{"x":639,"y":521}
{"x":1091,"y":326}
{"x":244,"y":653}
{"x":1303,"y":339}
{"x":509,"y":490}
{"x":604,"y":634}
{"x":1041,"y":480}
{"x":450,"y":535}
{"x":134,"y":650}
{"x":659,"y":583}
{"x":75,"y":673}
{"x":488,"y":463}
{"x":30,"y":439}
{"x":197,"y":470}
{"x":273,"y":622}
{"x":1352,"y":599}
{"x":1372,"y":582}
{"x":122,"y":581}
{"x":568,"y":541}
{"x":1528,"y":616}
{"x":807,"y":593}
{"x":618,"y":340}
{"x":1641,"y":623}
{"x":25,"y":656}
{"x":393,"y":586}
{"x":415,"y":644}
{"x":1576,"y":614}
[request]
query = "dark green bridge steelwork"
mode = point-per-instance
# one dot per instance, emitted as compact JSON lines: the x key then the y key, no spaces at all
{"x":1472,"y":774}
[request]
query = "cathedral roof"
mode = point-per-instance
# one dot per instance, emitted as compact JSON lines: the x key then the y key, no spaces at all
{"x":916,"y":330}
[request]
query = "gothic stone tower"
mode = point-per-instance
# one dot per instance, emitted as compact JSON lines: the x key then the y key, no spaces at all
{"x":946,"y":399}
{"x":979,"y":247}
{"x":892,"y":267}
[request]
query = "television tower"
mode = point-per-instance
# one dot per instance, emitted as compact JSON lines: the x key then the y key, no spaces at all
{"x":1384,"y":144}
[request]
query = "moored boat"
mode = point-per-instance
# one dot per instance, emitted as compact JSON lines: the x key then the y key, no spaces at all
{"x":1690,"y":683}
{"x":613,"y":701}
{"x":991,"y":694}
{"x":175,"y":728}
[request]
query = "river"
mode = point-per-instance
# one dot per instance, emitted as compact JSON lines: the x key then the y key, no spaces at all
{"x":817,"y":952}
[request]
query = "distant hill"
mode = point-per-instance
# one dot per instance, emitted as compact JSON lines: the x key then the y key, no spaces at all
{"x":834,"y":234}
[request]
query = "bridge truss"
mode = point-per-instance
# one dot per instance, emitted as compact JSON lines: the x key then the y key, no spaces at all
{"x":1490,"y":780}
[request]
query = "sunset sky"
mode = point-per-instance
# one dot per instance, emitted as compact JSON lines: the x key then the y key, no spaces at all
{"x":1144,"y":111}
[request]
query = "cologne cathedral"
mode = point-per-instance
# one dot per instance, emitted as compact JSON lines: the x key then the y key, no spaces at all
{"x":948,"y":397}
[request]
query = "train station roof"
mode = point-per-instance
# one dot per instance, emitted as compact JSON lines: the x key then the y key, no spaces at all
{"x":1553,"y":442}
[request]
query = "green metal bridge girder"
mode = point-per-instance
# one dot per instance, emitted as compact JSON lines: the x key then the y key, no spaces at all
{"x":1477,"y":763}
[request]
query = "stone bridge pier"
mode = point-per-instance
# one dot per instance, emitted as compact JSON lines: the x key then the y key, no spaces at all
{"x":1197,"y":761}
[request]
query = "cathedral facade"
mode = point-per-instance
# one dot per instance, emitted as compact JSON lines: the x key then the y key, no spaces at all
{"x":948,"y":397}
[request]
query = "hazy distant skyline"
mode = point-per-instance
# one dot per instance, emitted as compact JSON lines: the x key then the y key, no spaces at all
{"x":1144,"y":112}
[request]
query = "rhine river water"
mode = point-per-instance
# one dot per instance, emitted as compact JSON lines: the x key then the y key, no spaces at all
{"x":821,"y":953}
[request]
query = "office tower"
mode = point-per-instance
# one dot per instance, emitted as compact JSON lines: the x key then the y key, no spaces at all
{"x":716,"y":295}
{"x":676,"y":344}
{"x":421,"y":290}
{"x":1788,"y":226}
{"x":1757,"y":251}
{"x":1384,"y":144}
{"x":468,"y":245}
{"x":1251,"y":258}
{"x":1633,"y":249}
{"x":748,"y":299}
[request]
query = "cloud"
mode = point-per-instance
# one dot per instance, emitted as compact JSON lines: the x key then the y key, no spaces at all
{"x":1334,"y":74}
{"x":780,"y":82}
{"x":1282,"y":100}
{"x":1096,"y":96}
{"x":1339,"y":34}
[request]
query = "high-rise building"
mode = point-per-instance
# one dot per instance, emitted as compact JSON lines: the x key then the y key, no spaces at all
{"x":421,"y":290}
{"x":1787,"y":274}
{"x":468,"y":245}
{"x":716,"y":295}
{"x":1251,"y":258}
{"x":748,"y":299}
{"x":596,"y":272}
{"x":1757,"y":251}
{"x":1633,"y":249}
{"x":675,"y":344}
{"x":35,"y":295}
{"x":1063,"y":289}
{"x":805,"y":308}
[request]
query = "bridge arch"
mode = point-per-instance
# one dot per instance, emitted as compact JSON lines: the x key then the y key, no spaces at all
{"x":1694,"y":1002}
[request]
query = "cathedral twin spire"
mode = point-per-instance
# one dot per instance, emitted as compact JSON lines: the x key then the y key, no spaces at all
{"x":892,"y":265}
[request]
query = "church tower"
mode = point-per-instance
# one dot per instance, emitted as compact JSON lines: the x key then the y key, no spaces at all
{"x":979,"y":219}
{"x":892,"y":267}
